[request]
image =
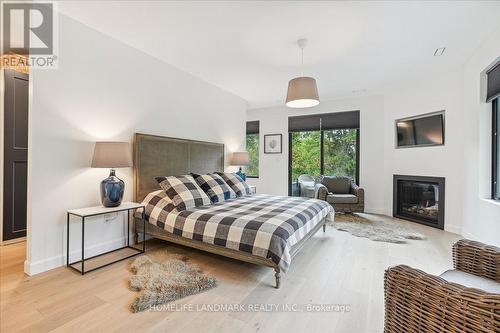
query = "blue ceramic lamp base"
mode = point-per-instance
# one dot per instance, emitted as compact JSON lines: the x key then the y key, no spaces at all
{"x":241,"y":174}
{"x":112,"y":189}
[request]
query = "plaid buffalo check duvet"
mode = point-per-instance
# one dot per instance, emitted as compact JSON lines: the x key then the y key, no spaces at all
{"x":262,"y":225}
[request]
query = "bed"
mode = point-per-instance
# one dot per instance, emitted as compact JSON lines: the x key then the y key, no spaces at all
{"x":259,"y":229}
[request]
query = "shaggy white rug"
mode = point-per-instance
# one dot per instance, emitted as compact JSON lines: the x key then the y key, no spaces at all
{"x":161,"y":278}
{"x":374,"y":228}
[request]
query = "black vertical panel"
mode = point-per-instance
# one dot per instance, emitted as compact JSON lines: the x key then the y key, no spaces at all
{"x":493,"y":89}
{"x":322,"y":153}
{"x":290,"y":146}
{"x":21,"y":113}
{"x":15,"y":155}
{"x":357,"y":156}
{"x":20,"y":177}
{"x":253,"y":127}
{"x":495,"y":149}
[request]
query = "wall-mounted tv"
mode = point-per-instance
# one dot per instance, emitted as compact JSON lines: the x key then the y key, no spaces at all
{"x":423,"y":130}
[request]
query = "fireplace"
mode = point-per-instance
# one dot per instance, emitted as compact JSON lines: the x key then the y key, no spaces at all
{"x":419,"y":199}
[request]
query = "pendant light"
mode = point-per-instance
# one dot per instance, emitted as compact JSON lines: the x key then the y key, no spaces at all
{"x":302,"y":91}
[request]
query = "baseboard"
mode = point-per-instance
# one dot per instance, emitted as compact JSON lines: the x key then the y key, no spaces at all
{"x":470,"y":236}
{"x":379,"y":211}
{"x":13,"y":241}
{"x":491,"y":241}
{"x":32,"y":268}
{"x":453,"y":229}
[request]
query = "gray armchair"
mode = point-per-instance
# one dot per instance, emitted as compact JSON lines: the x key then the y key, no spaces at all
{"x":342,"y":193}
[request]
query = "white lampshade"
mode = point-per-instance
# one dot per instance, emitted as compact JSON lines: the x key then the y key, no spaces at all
{"x":112,"y":155}
{"x":240,"y":158}
{"x":302,"y":93}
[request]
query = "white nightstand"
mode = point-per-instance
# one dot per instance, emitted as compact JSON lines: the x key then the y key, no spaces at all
{"x":253,"y":188}
{"x":128,"y":250}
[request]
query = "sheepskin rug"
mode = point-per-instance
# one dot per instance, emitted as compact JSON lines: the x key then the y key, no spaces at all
{"x":161,"y":277}
{"x":374,"y":228}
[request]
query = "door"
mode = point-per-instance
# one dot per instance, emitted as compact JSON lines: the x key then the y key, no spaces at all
{"x":304,"y":158}
{"x":332,"y":152}
{"x":15,"y":154}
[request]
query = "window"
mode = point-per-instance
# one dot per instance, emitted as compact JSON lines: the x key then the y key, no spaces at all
{"x":340,"y":150}
{"x":305,"y":154}
{"x":252,"y":170}
{"x":323,"y":144}
{"x":329,"y":152}
{"x":496,"y":151}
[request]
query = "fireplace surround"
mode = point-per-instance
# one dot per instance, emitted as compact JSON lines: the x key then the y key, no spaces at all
{"x":419,"y":199}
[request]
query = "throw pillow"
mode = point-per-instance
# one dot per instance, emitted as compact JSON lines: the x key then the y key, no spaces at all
{"x":183,"y":191}
{"x":215,"y":187}
{"x":238,"y":185}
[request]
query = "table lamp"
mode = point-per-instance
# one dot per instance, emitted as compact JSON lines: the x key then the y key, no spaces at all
{"x":240,"y":159}
{"x":112,"y":155}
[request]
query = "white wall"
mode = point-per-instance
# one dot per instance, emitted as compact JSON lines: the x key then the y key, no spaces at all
{"x":439,"y":92}
{"x":273,"y":168}
{"x":481,"y":216}
{"x":105,"y":90}
{"x":464,"y":160}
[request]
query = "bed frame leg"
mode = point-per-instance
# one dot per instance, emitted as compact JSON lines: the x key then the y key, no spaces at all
{"x":324,"y":227}
{"x":277,"y":276}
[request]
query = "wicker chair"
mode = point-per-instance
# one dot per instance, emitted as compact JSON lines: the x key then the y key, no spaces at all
{"x":419,"y":302}
{"x":306,"y":186}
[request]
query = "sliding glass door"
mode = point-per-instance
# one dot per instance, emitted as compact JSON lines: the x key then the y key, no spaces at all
{"x":305,"y":157}
{"x":322,"y":144}
{"x":326,"y":152}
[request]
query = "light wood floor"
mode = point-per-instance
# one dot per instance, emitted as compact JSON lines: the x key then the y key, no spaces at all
{"x":333,"y":268}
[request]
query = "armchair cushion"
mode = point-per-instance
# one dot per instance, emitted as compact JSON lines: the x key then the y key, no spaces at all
{"x":471,"y":281}
{"x":342,"y":198}
{"x":337,"y":185}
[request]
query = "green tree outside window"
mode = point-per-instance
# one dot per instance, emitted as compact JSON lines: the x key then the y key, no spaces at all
{"x":339,"y":153}
{"x":252,"y":170}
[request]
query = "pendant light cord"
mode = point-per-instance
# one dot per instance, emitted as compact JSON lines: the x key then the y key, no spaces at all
{"x":302,"y":44}
{"x":302,"y":62}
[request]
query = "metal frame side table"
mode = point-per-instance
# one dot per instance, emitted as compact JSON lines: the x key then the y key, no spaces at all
{"x":84,"y":213}
{"x":253,"y":188}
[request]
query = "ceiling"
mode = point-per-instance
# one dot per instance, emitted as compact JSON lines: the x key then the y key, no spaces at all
{"x":249,"y":48}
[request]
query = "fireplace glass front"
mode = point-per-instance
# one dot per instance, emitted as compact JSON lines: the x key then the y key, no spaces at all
{"x":420,"y":200}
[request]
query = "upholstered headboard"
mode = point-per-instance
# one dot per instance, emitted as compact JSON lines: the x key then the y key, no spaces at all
{"x":162,"y":156}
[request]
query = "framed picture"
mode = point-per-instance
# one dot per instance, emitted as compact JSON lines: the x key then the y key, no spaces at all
{"x":272,"y":143}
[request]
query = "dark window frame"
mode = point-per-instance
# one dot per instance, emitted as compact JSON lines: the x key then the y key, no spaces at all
{"x":495,"y":158}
